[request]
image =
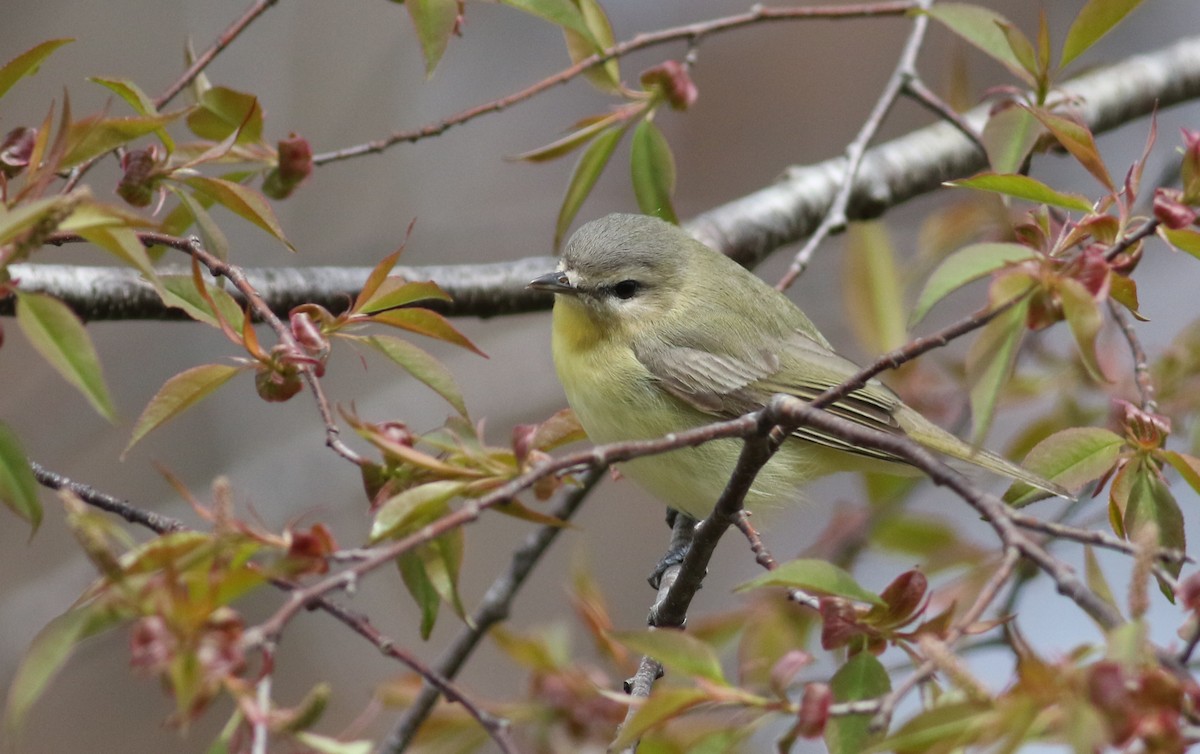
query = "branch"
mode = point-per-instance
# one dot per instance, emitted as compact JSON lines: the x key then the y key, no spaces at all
{"x":691,"y":32}
{"x":493,"y":609}
{"x":835,"y":218}
{"x":497,"y":728}
{"x":748,"y":229}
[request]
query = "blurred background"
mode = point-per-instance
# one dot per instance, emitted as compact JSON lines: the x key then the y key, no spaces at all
{"x":340,"y":74}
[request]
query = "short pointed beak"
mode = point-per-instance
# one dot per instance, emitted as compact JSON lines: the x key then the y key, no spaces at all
{"x":552,"y":282}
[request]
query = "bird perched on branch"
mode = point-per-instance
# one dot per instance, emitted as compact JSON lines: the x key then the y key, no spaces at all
{"x":654,"y":333}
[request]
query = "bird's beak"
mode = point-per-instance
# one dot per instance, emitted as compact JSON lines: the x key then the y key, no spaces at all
{"x":553,"y":282}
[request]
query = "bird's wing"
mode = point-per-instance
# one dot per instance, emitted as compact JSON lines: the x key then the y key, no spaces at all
{"x":726,"y":385}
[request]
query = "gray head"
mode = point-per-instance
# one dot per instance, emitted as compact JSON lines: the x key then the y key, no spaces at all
{"x":623,"y":265}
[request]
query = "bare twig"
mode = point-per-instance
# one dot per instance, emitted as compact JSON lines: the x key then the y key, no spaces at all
{"x":220,"y":43}
{"x":1141,"y":363}
{"x":690,"y":32}
{"x":156,"y":522}
{"x":835,"y":217}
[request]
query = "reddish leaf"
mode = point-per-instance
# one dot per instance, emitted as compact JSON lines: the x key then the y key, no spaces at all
{"x":1078,"y":140}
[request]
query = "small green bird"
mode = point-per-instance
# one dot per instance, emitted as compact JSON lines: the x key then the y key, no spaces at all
{"x":654,"y":333}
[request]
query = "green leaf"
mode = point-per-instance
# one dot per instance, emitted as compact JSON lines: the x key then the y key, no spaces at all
{"x":27,"y":63}
{"x":1095,"y":19}
{"x":222,"y":112}
{"x":813,"y":575}
{"x":18,"y":487}
{"x":983,"y":29}
{"x":1024,"y":187}
{"x":662,"y":705}
{"x":1008,"y":138}
{"x":1021,"y":47}
{"x":570,"y":142}
{"x":326,"y":745}
{"x":991,"y":359}
{"x":415,"y":506}
{"x":434,"y":21}
{"x":966,"y":265}
{"x":653,"y":169}
{"x":1083,"y":315}
{"x":872,"y":292}
{"x":177,"y":395}
{"x":443,"y":562}
{"x":1184,"y":239}
{"x":211,"y":235}
{"x":59,"y":336}
{"x":1070,"y":458}
{"x":93,"y":137}
{"x":139,"y":101}
{"x":1077,"y":140}
{"x":1150,"y":501}
{"x":607,"y":76}
{"x":678,"y":651}
{"x":24,"y":217}
{"x":180,"y":293}
{"x":242,"y":201}
{"x":941,"y":728}
{"x":412,"y":572}
{"x":420,"y":365}
{"x":395,"y":292}
{"x":426,"y":323}
{"x":586,"y":172}
{"x":50,"y":650}
{"x":862,"y":677}
{"x":558,"y":12}
{"x":1188,"y":467}
{"x":1096,"y":580}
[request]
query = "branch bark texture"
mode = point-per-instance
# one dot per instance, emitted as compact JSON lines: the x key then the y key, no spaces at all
{"x":748,"y":229}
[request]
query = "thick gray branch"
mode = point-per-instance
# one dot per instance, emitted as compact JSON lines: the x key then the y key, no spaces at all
{"x":747,"y":229}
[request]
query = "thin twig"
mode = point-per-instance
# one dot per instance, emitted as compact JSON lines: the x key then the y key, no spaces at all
{"x":199,"y":64}
{"x":497,"y":728}
{"x":492,"y":609}
{"x":1141,"y":363}
{"x":835,"y":217}
{"x":220,"y":43}
{"x":689,"y":32}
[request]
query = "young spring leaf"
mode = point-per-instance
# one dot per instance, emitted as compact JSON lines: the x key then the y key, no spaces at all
{"x":1024,"y":187}
{"x":27,"y":63}
{"x":607,"y":76}
{"x":60,"y":337}
{"x":428,"y":323}
{"x":982,"y":28}
{"x":434,"y":21}
{"x":558,"y":12}
{"x":872,"y":290}
{"x":242,"y":201}
{"x":992,"y":356}
{"x":966,"y":265}
{"x":677,"y":651}
{"x":420,"y":365}
{"x":1077,"y":140}
{"x":93,"y":137}
{"x":1095,"y":19}
{"x":1070,"y":458}
{"x":586,"y":172}
{"x":653,"y":169}
{"x":18,"y":487}
{"x":813,"y":575}
{"x":862,"y":677}
{"x":178,"y":394}
{"x":1008,"y":137}
{"x":222,"y":112}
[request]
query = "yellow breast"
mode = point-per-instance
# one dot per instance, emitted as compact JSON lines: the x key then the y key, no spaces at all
{"x":616,"y":398}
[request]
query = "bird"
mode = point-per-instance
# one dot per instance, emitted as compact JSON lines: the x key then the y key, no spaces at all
{"x":653,"y":333}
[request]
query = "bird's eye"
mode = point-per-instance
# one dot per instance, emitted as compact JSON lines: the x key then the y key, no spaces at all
{"x":625,"y":289}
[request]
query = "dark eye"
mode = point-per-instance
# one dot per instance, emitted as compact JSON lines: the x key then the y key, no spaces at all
{"x":626,"y":289}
